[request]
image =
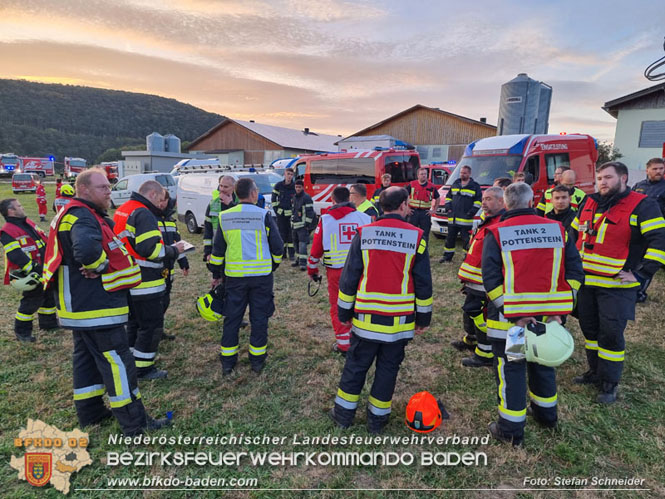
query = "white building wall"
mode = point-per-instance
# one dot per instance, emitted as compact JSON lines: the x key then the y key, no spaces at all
{"x":627,"y":136}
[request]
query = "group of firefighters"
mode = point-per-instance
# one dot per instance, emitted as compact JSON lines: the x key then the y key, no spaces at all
{"x":110,"y":280}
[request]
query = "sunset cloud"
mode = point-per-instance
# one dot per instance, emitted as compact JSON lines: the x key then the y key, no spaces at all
{"x":334,"y":65}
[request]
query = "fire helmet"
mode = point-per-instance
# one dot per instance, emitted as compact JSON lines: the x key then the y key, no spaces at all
{"x":210,"y":305}
{"x":24,"y":281}
{"x":547,"y":344}
{"x":67,"y":191}
{"x":423,"y":413}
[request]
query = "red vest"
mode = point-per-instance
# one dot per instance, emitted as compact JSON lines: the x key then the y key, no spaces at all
{"x":121,"y":273}
{"x":421,"y":195}
{"x":470,"y":270}
{"x":389,"y":247}
{"x":605,"y":252}
{"x":533,"y":253}
{"x":26,"y":242}
{"x":120,"y":218}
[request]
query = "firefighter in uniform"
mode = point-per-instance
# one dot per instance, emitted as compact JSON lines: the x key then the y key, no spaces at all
{"x":282,"y":201}
{"x":531,"y":271}
{"x":246,"y":251}
{"x":386,"y":178}
{"x":137,"y":227}
{"x":90,"y":271}
{"x":358,"y":196}
{"x":653,"y":186}
{"x":301,"y":217}
{"x":562,"y":210}
{"x":475,"y":304}
{"x":622,"y":243}
{"x":25,"y":244}
{"x":332,"y":239}
{"x":170,"y":235}
{"x":385,"y":293}
{"x":542,"y":204}
{"x":223,"y":198}
{"x":421,"y":195}
{"x":42,"y":203}
{"x":63,"y":197}
{"x":462,"y":203}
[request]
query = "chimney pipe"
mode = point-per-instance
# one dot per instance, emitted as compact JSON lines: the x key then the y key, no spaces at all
{"x":483,"y":120}
{"x":306,"y":131}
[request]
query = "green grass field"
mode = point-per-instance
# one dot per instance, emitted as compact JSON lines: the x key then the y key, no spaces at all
{"x":298,"y":385}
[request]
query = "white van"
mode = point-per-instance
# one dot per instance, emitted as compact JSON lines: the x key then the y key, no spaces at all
{"x":195,"y":193}
{"x":122,"y":190}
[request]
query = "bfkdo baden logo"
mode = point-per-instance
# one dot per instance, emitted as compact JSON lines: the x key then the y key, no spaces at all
{"x":51,"y":455}
{"x":38,"y":468}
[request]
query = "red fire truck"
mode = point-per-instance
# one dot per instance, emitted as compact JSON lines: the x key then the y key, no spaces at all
{"x":535,"y":155}
{"x":321,"y":173}
{"x":40,"y":166}
{"x":9,"y":164}
{"x":74,"y":166}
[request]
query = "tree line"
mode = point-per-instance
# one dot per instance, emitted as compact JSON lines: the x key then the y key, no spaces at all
{"x":38,"y":119}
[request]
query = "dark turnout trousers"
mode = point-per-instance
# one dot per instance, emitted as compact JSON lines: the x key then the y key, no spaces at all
{"x":284,"y":226}
{"x":240,"y":292}
{"x":144,"y":330}
{"x":603,"y":314}
{"x":451,"y":239}
{"x":103,"y":363}
{"x":40,"y":301}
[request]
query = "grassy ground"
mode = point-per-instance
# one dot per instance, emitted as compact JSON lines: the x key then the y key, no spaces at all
{"x":298,"y":385}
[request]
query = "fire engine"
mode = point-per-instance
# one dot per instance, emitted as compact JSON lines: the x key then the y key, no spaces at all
{"x":9,"y":164}
{"x":40,"y":166}
{"x":538,"y":156}
{"x":321,"y":173}
{"x":74,"y":166}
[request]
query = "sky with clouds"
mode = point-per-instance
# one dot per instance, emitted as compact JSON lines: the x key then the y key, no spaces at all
{"x":338,"y":66}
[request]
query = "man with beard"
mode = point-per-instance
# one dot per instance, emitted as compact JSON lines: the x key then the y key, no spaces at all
{"x":462,"y":203}
{"x":622,"y":244}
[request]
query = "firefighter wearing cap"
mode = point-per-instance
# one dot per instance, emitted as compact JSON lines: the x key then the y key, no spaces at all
{"x":246,"y":250}
{"x":170,"y":235}
{"x":475,"y":303}
{"x":385,"y":294}
{"x":462,"y":203}
{"x":622,"y":244}
{"x":332,"y":240}
{"x":42,"y":203}
{"x":282,"y":201}
{"x":531,"y":272}
{"x":25,"y":245}
{"x":422,"y":193}
{"x":63,"y":197}
{"x":302,"y":215}
{"x":136,"y":225}
{"x":223,"y":198}
{"x":90,"y":270}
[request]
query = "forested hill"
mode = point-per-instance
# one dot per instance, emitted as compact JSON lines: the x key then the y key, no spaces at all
{"x":38,"y":119}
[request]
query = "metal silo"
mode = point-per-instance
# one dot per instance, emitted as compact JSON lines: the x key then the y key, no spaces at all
{"x":524,"y":106}
{"x":154,"y":142}
{"x":172,"y":143}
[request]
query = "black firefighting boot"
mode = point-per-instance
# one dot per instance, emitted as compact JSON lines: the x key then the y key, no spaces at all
{"x":376,"y":424}
{"x":23,"y":331}
{"x":343,"y":418}
{"x":608,"y":393}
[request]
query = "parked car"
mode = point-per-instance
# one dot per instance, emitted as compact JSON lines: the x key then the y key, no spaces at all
{"x":195,"y":193}
{"x":24,"y":182}
{"x":123,"y":189}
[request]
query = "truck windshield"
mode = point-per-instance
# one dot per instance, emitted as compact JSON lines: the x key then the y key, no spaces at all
{"x":486,"y":169}
{"x":264,"y":181}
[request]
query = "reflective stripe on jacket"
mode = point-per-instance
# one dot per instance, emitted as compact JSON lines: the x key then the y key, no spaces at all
{"x":386,"y":284}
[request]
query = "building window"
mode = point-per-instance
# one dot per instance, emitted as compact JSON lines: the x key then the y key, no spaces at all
{"x":423,"y":150}
{"x":436,"y":152}
{"x":652,"y":134}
